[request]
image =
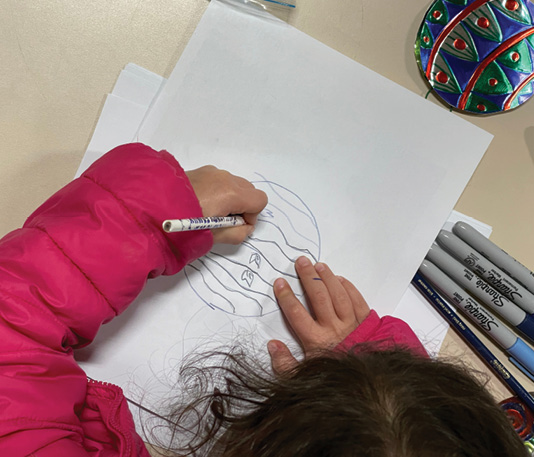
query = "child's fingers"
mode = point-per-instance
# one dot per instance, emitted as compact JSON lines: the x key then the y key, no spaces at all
{"x":281,"y":358}
{"x":298,"y":317}
{"x":341,"y":301}
{"x":220,"y":193}
{"x":316,"y":290}
{"x":360,"y":306}
{"x":232,"y":235}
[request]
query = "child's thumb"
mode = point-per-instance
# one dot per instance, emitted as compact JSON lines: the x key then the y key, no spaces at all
{"x":281,"y":358}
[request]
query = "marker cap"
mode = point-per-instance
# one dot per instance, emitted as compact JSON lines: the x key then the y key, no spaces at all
{"x":523,"y":355}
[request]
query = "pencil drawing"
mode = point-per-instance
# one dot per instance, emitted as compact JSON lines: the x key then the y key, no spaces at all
{"x":239,"y":281}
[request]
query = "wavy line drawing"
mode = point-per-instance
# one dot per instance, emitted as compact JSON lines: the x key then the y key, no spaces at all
{"x":240,"y":282}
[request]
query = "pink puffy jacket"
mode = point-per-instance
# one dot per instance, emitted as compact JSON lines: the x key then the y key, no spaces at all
{"x":79,"y":261}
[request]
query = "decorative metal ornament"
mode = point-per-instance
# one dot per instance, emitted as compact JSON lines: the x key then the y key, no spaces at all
{"x":522,"y":420}
{"x":478,"y":55}
{"x":520,"y":416}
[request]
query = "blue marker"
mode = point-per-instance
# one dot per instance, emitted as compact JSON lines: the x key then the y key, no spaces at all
{"x":465,"y":332}
{"x":490,"y":297}
{"x":521,"y":354}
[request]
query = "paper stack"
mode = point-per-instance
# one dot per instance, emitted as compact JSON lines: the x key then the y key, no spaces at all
{"x":360,"y":173}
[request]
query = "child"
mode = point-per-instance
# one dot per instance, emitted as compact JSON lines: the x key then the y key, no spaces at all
{"x":85,"y":254}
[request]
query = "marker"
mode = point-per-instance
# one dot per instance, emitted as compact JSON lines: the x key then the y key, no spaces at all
{"x":202,"y":223}
{"x":493,"y":275}
{"x":465,"y":332}
{"x":520,"y":353}
{"x":494,"y":253}
{"x":463,"y":276}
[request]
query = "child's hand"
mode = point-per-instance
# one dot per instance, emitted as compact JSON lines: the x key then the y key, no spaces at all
{"x":338,"y":307}
{"x":222,"y":194}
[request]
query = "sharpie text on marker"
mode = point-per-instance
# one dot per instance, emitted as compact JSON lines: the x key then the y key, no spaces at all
{"x":484,"y":268}
{"x":475,"y":285}
{"x":465,"y":277}
{"x":202,"y":223}
{"x":495,"y":254}
{"x":446,"y":311}
{"x":520,"y":353}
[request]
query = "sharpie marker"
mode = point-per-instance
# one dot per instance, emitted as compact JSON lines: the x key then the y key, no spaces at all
{"x":465,"y":332}
{"x":202,"y":223}
{"x":463,"y":276}
{"x":520,"y":353}
{"x":494,"y":253}
{"x":499,"y":280}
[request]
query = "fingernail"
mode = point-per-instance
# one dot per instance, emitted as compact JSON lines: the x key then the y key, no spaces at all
{"x":279,"y":284}
{"x":320,"y":267}
{"x":303,"y":261}
{"x":273,"y":346}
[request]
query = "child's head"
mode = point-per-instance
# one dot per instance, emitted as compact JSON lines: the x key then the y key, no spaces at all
{"x":363,"y":404}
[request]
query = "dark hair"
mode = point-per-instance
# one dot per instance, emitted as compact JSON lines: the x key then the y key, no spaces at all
{"x":361,"y":403}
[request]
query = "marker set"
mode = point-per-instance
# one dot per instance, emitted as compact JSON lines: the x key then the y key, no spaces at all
{"x":479,"y":287}
{"x":493,"y":290}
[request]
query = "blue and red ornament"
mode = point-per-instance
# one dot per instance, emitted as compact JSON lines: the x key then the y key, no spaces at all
{"x":522,"y":420}
{"x":478,"y":55}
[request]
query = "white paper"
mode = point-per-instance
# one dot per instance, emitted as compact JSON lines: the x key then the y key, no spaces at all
{"x":375,"y":166}
{"x":117,"y":125}
{"x":413,"y":308}
{"x":123,"y":111}
{"x":137,"y":85}
{"x":379,"y":167}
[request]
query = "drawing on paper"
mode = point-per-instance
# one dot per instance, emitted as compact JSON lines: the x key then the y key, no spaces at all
{"x":240,"y":282}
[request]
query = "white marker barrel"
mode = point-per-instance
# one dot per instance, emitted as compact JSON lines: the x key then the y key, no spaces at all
{"x":202,"y":223}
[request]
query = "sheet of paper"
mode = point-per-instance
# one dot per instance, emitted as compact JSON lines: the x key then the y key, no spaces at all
{"x":324,"y":137}
{"x":123,"y":112}
{"x":377,"y":169}
{"x":138,"y":85}
{"x":116,"y":125}
{"x":412,"y":308}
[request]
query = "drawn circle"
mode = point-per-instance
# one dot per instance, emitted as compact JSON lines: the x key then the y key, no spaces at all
{"x":239,"y":280}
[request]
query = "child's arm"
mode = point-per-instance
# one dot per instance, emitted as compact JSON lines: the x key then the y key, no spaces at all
{"x":80,"y":260}
{"x":342,"y":317}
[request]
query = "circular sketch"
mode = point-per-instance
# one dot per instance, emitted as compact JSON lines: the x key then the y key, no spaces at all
{"x":240,"y":281}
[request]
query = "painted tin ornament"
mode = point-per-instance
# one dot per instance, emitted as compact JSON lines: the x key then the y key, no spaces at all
{"x":522,"y":420}
{"x":477,"y":54}
{"x":521,"y":417}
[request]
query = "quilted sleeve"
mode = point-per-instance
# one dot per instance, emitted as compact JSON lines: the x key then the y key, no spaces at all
{"x":80,"y":260}
{"x":387,"y":332}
